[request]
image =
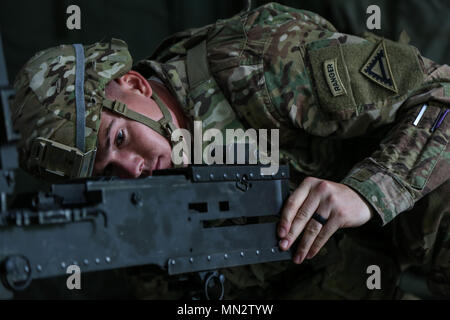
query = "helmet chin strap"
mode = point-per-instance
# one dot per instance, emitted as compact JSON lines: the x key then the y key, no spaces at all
{"x":163,"y":127}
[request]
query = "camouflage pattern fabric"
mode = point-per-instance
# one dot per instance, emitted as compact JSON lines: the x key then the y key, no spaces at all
{"x":44,"y":105}
{"x":269,"y":67}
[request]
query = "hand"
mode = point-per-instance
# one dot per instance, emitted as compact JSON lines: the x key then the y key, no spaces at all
{"x":338,"y":203}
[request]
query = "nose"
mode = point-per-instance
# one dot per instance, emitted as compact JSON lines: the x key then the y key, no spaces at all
{"x":128,"y":165}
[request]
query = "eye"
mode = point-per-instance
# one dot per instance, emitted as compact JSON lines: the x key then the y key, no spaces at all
{"x":120,"y":138}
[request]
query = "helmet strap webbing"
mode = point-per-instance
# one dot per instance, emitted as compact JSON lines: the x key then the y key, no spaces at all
{"x":79,"y":98}
{"x":163,"y":127}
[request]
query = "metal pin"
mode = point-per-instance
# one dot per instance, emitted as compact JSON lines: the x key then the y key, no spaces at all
{"x":420,"y":115}
{"x":439,"y":120}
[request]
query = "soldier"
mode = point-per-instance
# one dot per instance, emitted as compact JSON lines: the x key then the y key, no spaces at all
{"x":363,"y":125}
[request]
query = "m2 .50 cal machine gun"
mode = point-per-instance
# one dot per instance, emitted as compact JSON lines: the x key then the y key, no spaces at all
{"x":176,"y":219}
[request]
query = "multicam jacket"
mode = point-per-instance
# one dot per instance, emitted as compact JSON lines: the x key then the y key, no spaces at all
{"x":348,"y":108}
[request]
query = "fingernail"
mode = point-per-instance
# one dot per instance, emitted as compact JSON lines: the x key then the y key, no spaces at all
{"x":284,"y":244}
{"x":297,"y":259}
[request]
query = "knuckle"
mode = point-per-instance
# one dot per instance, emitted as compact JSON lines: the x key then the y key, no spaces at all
{"x":291,"y":236}
{"x":340,"y":215}
{"x":323,"y":186}
{"x":313,"y":228}
{"x":301,"y":215}
{"x":309,"y":180}
{"x":290,"y":203}
{"x":332,"y":199}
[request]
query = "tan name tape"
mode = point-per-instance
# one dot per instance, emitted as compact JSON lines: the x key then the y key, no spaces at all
{"x":333,"y":79}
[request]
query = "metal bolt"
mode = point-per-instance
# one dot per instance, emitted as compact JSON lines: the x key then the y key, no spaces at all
{"x":242,"y":253}
{"x":211,"y":176}
{"x":283,"y":174}
{"x":26,"y":269}
{"x":273,"y":250}
{"x":251,"y":175}
{"x":108,"y":259}
{"x":225,"y":175}
{"x":172,"y":262}
{"x":225,"y":256}
{"x":257,"y":252}
{"x":209,"y":258}
{"x":191,"y":260}
{"x":86,"y":262}
{"x":136,"y":199}
{"x":39,"y":268}
{"x":238,"y":175}
{"x":197,"y":176}
{"x":63,"y":265}
{"x":97,"y":260}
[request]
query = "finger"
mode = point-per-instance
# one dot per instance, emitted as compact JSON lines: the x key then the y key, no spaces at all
{"x":309,"y":235}
{"x":302,"y":217}
{"x":324,"y":235}
{"x":292,"y":205}
{"x":312,"y":230}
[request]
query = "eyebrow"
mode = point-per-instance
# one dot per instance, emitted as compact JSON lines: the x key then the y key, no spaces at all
{"x":108,"y":140}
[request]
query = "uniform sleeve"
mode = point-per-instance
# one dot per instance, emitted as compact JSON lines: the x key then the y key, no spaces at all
{"x":412,"y":160}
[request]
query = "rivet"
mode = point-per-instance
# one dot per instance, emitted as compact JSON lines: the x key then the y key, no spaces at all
{"x":63,"y":265}
{"x":191,"y":260}
{"x":242,"y":253}
{"x":225,"y":256}
{"x":97,"y":260}
{"x":209,"y":258}
{"x":86,"y":262}
{"x":257,"y":252}
{"x":39,"y":268}
{"x":108,"y":259}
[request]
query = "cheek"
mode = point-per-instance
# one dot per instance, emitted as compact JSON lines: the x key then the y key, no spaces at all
{"x":150,"y":142}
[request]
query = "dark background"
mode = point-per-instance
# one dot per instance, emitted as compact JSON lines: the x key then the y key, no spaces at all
{"x":29,"y":25}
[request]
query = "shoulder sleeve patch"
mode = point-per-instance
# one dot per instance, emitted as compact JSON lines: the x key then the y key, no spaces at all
{"x":378,"y":69}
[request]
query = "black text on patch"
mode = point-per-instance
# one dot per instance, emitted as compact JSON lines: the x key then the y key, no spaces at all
{"x":333,"y":79}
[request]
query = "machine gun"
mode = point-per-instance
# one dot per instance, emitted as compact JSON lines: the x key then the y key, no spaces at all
{"x":182,"y":220}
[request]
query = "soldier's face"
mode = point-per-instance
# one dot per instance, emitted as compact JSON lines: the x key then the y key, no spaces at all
{"x":127,"y":148}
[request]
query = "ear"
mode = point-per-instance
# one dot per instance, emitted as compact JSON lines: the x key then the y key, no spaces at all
{"x":135,"y":82}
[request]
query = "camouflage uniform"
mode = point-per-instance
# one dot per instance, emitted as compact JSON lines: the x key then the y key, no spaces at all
{"x":345,"y":107}
{"x":267,"y":71}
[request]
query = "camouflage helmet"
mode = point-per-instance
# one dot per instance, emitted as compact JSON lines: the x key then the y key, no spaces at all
{"x":60,"y":93}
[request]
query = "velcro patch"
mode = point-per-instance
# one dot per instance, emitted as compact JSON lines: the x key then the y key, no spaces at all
{"x":334,"y":81}
{"x":378,"y":69}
